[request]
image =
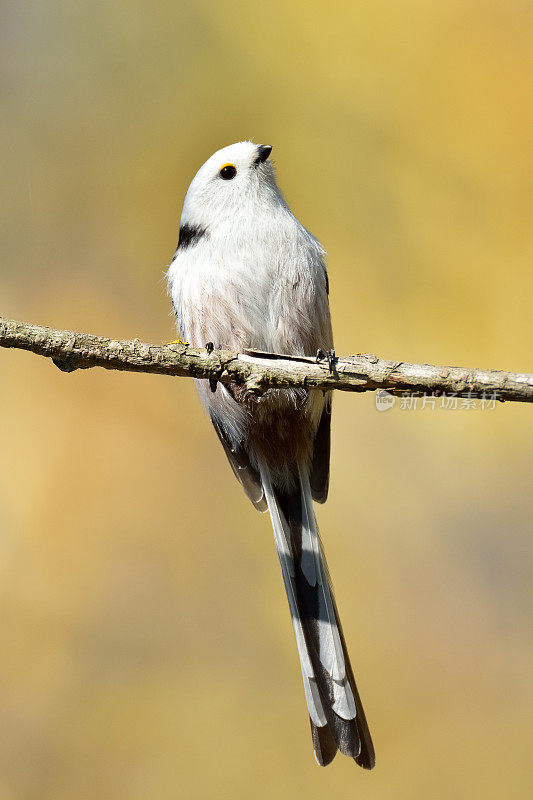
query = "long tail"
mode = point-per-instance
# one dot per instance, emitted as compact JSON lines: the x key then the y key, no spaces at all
{"x":337,"y":718}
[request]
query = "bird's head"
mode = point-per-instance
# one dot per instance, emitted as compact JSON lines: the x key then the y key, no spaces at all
{"x":236,"y":180}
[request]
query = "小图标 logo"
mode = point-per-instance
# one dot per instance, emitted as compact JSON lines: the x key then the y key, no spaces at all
{"x":384,"y":400}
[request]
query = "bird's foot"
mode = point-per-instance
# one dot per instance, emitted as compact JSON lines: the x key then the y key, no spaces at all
{"x":329,"y":355}
{"x":176,"y":341}
{"x":212,"y":381}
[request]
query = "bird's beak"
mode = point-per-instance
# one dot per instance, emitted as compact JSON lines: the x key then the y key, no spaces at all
{"x":263,"y":152}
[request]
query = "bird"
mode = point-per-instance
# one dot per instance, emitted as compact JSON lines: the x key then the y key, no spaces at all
{"x":246,"y":274}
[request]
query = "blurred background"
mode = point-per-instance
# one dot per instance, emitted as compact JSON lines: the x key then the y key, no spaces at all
{"x":147,"y":649}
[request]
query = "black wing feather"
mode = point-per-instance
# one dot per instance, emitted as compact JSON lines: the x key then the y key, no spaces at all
{"x":319,"y":477}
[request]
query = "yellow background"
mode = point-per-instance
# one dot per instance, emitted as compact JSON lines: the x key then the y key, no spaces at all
{"x":146,"y":646}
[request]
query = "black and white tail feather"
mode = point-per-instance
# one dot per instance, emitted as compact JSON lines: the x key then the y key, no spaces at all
{"x":335,"y":710}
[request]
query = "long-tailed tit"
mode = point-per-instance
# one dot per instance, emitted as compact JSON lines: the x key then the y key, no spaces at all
{"x":247,"y":274}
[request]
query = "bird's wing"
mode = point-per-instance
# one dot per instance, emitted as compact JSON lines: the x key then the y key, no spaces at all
{"x":244,"y":472}
{"x":319,"y":476}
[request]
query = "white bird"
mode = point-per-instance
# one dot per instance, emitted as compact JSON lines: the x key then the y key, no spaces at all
{"x":247,"y":274}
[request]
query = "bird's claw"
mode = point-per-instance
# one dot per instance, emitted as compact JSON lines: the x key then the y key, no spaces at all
{"x":212,"y":381}
{"x":329,"y":355}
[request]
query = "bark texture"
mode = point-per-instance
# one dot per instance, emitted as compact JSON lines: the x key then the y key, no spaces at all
{"x":259,"y":371}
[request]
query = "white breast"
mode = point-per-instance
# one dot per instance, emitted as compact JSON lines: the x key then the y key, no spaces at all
{"x":264,"y":289}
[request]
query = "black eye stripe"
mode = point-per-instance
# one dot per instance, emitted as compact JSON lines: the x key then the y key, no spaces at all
{"x":228,"y":172}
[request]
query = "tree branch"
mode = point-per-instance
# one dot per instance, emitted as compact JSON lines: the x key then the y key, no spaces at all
{"x":258,"y":371}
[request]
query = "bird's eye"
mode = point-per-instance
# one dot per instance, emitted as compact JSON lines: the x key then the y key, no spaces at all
{"x":227,"y":172}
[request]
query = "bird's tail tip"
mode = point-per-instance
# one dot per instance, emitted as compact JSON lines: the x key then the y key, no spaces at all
{"x":337,"y":717}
